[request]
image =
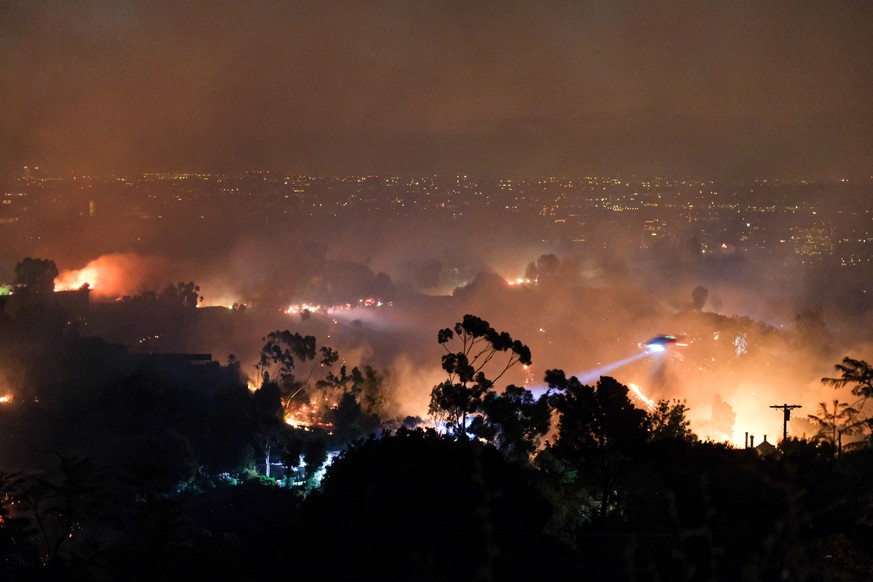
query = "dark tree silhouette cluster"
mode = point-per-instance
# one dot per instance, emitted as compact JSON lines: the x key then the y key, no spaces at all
{"x":156,"y":466}
{"x":467,"y":391}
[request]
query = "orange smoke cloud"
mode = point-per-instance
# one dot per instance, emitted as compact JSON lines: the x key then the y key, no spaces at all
{"x":113,"y":275}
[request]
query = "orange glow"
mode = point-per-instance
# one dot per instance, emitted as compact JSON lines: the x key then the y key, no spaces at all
{"x":296,"y":422}
{"x":299,"y":417}
{"x":650,"y":404}
{"x":6,"y":399}
{"x":299,"y":308}
{"x":113,"y":275}
{"x":71,"y":280}
{"x":306,"y":416}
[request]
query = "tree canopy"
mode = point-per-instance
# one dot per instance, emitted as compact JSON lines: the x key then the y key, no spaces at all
{"x":36,"y":276}
{"x":513,"y":418}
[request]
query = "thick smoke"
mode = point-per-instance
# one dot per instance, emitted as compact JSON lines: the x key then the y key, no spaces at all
{"x":377,"y":286}
{"x":115,"y":275}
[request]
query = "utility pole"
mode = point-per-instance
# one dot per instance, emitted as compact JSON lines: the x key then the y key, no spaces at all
{"x":786,"y":416}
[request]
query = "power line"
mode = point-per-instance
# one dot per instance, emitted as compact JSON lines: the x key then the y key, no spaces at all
{"x":786,"y":412}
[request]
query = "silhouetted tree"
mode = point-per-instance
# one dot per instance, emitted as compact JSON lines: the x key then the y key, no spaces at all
{"x":372,"y":392}
{"x":461,"y":395}
{"x":286,"y":352}
{"x":365,"y":384}
{"x":856,"y":374}
{"x":337,"y":401}
{"x":600,"y":437}
{"x":36,"y":276}
{"x":833,"y":424}
{"x":314,"y":453}
{"x":349,"y":420}
{"x":723,"y":419}
{"x":514,"y":420}
{"x":544,"y":268}
{"x":184,"y":294}
{"x":270,"y":429}
{"x":669,"y":421}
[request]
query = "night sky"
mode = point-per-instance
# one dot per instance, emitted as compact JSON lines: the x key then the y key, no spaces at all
{"x":703,"y":89}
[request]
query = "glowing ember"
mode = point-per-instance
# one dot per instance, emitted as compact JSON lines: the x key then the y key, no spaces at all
{"x":517,"y":281}
{"x":370,"y":302}
{"x":292,"y":309}
{"x":650,"y":404}
{"x":6,"y":399}
{"x":299,"y":417}
{"x":296,"y":422}
{"x":307,"y":416}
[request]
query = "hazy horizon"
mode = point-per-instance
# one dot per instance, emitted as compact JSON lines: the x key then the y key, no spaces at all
{"x":708,"y":89}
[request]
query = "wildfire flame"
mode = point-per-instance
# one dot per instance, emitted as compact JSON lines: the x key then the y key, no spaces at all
{"x":311,"y":307}
{"x":298,"y":308}
{"x":650,"y":404}
{"x":111,"y":275}
{"x":298,"y":417}
{"x":306,"y":417}
{"x":71,"y":280}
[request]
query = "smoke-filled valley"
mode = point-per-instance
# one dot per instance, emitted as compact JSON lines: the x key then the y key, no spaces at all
{"x":374,"y":268}
{"x":436,"y":290}
{"x":201,"y":371}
